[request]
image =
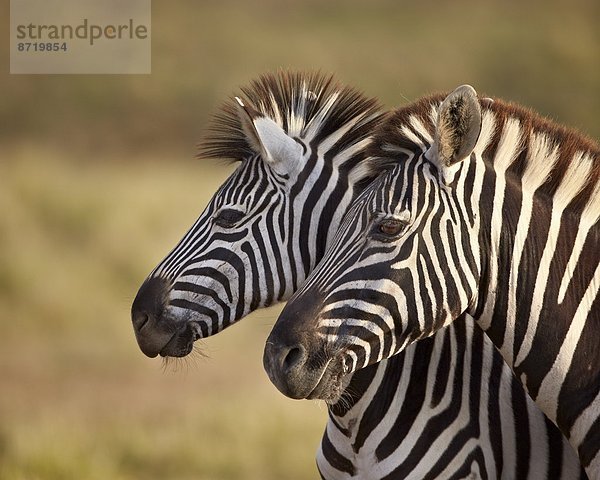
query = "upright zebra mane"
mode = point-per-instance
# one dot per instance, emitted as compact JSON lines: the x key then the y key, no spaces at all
{"x":300,"y":103}
{"x":577,"y":157}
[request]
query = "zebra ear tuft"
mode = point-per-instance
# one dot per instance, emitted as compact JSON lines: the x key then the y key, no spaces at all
{"x":458,"y":126}
{"x":266,"y":137}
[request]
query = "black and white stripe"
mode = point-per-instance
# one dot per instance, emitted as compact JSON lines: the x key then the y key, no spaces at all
{"x":483,"y":209}
{"x":446,"y":407}
{"x":302,"y":142}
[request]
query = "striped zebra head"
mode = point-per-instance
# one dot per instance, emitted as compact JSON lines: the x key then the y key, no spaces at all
{"x":396,"y":270}
{"x":300,"y":141}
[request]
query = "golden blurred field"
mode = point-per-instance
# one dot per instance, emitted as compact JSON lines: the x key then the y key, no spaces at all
{"x":98,"y":182}
{"x":78,"y":398}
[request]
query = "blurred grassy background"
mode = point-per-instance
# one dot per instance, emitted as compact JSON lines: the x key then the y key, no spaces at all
{"x":98,"y":182}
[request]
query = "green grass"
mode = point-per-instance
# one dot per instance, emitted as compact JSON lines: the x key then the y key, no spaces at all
{"x":79,"y":401}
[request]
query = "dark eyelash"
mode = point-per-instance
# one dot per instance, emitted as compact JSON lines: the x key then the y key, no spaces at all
{"x":228,"y":217}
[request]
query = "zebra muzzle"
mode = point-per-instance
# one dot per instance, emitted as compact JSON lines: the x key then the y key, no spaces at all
{"x":156,"y":332}
{"x":299,"y":372}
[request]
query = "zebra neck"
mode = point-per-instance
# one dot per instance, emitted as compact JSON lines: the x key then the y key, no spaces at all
{"x":540,"y":279}
{"x":376,"y":394}
{"x":318,"y":200}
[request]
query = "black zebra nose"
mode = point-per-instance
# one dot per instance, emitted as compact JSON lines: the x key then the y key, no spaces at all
{"x":151,"y":332}
{"x":294,"y":356}
{"x":287,"y":359}
{"x":285,"y":366}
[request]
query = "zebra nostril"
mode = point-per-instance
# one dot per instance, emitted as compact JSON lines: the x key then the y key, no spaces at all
{"x":293,"y":357}
{"x":149,"y":303}
{"x":140,"y":320}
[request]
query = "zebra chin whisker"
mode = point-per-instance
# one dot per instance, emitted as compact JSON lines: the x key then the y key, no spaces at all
{"x":184,"y":364}
{"x":343,"y":401}
{"x":198,"y":352}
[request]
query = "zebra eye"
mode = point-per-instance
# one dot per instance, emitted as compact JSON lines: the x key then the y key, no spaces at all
{"x":228,"y":218}
{"x":390,"y":227}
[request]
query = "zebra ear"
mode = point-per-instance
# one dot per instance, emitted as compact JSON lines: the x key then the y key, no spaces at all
{"x":458,"y":126}
{"x":267,"y":138}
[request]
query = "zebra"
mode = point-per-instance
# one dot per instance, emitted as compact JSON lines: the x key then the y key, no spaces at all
{"x":300,"y":139}
{"x":482,"y":208}
{"x":266,"y":229}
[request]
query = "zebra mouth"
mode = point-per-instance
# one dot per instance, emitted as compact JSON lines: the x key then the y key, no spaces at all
{"x":331,"y":385}
{"x":182,"y":341}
